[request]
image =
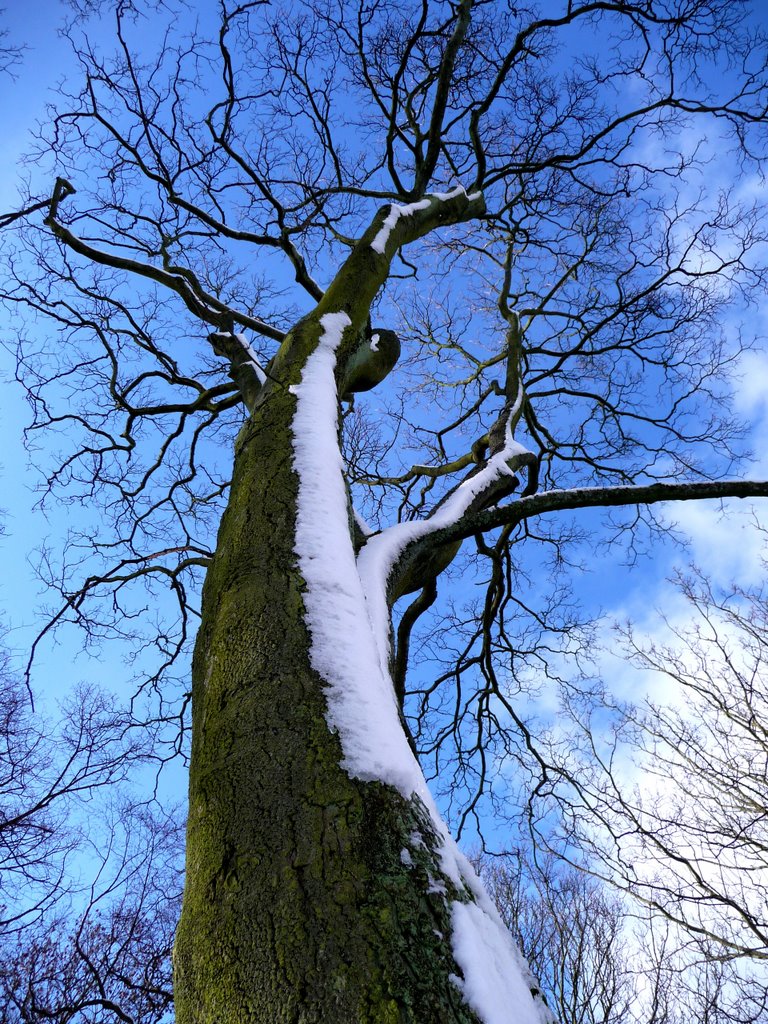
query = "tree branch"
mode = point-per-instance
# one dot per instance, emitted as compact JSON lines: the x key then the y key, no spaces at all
{"x":596,"y":497}
{"x":199,"y":302}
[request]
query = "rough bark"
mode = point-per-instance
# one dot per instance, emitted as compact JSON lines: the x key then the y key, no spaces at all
{"x":312,"y":895}
{"x":298,"y":906}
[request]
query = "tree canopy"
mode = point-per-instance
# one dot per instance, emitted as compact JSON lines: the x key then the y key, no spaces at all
{"x":518,"y":230}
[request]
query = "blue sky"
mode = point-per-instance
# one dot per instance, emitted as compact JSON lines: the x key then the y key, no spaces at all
{"x":34,"y":25}
{"x":726,"y":545}
{"x":730,"y":552}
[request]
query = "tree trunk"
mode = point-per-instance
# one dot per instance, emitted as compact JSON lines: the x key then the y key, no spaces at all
{"x":317,"y":890}
{"x":298,"y":906}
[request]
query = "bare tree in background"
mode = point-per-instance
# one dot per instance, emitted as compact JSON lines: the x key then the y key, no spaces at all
{"x":236,"y":210}
{"x":573,"y":932}
{"x":10,"y":54}
{"x":45,"y":773}
{"x":71,"y":948}
{"x":105,"y":957}
{"x":602,"y":960}
{"x":690,"y":840}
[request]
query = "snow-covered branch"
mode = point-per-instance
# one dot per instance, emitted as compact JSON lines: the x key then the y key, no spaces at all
{"x":246,"y":369}
{"x":367,"y":268}
{"x":397,"y":216}
{"x":598,"y":497}
{"x":407,"y":556}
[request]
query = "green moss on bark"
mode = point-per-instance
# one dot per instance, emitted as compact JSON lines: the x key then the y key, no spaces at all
{"x":298,"y":906}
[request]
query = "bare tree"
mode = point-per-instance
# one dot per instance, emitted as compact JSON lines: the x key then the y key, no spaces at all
{"x":106,"y":958}
{"x":575,"y":935}
{"x":690,"y":839}
{"x":72,"y":949}
{"x":45,"y":773}
{"x":10,"y":54}
{"x":232,"y":208}
{"x":601,"y":958}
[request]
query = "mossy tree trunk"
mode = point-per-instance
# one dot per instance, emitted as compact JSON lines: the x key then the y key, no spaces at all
{"x":298,"y":906}
{"x":300,"y":902}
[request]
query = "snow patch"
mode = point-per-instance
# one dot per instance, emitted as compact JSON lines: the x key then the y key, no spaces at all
{"x":487,"y":956}
{"x":374,"y":343}
{"x":379,"y":244}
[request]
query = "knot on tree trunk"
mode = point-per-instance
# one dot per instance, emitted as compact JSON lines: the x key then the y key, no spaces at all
{"x":372,"y":361}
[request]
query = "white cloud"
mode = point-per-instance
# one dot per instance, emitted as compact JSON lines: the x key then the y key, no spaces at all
{"x":752,"y":390}
{"x":724,"y":541}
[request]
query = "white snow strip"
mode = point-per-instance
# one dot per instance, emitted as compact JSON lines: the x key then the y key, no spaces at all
{"x":364,"y":528}
{"x":253,"y":359}
{"x":486,"y":927}
{"x":349,"y":644}
{"x":458,"y":190}
{"x":362,"y":705}
{"x":374,"y":343}
{"x":379,"y":243}
{"x":496,"y":991}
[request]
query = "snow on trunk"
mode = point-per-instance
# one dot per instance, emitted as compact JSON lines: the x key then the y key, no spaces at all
{"x":348,"y":621}
{"x":379,"y":243}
